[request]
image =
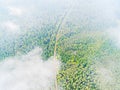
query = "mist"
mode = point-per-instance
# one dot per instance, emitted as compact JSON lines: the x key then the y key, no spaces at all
{"x":28,"y":72}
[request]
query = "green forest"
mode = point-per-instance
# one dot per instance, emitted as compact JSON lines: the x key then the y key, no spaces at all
{"x":78,"y":51}
{"x":82,"y":35}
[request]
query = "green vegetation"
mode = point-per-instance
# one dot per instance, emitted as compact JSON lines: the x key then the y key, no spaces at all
{"x":77,"y":54}
{"x":77,"y":49}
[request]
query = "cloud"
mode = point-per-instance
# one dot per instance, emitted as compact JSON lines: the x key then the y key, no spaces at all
{"x":15,"y":11}
{"x":114,"y":33}
{"x":107,"y":73}
{"x":11,"y":26}
{"x":28,"y":72}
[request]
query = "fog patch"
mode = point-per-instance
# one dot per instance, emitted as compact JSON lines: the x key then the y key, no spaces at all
{"x":114,"y":33}
{"x":16,"y":11}
{"x":11,"y":27}
{"x":28,"y":72}
{"x":107,"y":74}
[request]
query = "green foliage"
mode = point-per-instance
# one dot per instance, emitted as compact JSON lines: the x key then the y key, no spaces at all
{"x":77,"y":49}
{"x":75,"y":76}
{"x":76,"y":73}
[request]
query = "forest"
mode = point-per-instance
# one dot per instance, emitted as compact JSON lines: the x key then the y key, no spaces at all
{"x":79,"y":38}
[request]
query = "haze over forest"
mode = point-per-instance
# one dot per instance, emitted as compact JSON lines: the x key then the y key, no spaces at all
{"x":59,"y":45}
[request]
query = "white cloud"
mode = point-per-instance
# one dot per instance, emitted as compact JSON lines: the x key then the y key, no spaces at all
{"x":11,"y":27}
{"x":15,"y":11}
{"x":28,"y":72}
{"x":114,"y":33}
